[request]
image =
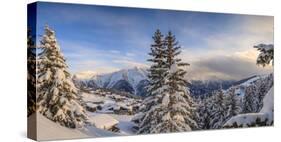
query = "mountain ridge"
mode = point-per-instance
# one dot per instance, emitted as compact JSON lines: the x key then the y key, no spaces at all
{"x":127,"y":80}
{"x":134,"y":81}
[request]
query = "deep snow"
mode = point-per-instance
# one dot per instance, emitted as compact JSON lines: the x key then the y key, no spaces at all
{"x":49,"y":130}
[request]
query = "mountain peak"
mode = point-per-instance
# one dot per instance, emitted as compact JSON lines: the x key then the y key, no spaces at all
{"x":132,"y":76}
{"x":85,"y":75}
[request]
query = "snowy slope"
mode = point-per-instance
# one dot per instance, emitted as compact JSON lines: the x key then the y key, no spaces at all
{"x":125,"y":124}
{"x":241,"y":86}
{"x":49,"y":130}
{"x":265,"y":115}
{"x":103,"y":121}
{"x":253,"y":79}
{"x":268,"y":107}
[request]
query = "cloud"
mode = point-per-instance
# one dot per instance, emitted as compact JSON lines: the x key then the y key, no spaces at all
{"x":89,"y":65}
{"x":230,"y":54}
{"x":129,"y":54}
{"x":130,"y":63}
{"x":84,"y":56}
{"x":104,"y":40}
{"x":114,"y":51}
{"x":225,"y":67}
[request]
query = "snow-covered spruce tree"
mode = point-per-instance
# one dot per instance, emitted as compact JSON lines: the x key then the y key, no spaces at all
{"x":218,"y":110}
{"x":233,"y":104}
{"x":158,"y":68}
{"x":263,"y":86}
{"x":31,"y":74}
{"x":156,"y":75}
{"x":171,"y":107}
{"x":58,"y":99}
{"x":266,"y":54}
{"x":250,"y":100}
{"x":177,"y":83}
{"x":204,"y":113}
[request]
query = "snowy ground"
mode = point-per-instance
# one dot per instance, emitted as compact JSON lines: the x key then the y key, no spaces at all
{"x":124,"y":122}
{"x":108,"y":114}
{"x":49,"y":130}
{"x":110,"y":102}
{"x":106,"y":117}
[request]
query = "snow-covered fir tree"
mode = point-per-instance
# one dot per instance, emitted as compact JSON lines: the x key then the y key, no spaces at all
{"x":266,"y":54}
{"x":233,"y":104}
{"x":177,"y":81}
{"x":158,"y":68}
{"x":156,"y":74}
{"x":58,"y":99}
{"x":218,"y":110}
{"x":204,"y":113}
{"x":170,"y":108}
{"x":250,"y":100}
{"x":31,"y":74}
{"x":263,"y":86}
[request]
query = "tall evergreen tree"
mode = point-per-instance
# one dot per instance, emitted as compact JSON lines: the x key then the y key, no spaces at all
{"x":263,"y":86}
{"x":158,"y":68}
{"x":250,"y":100}
{"x":204,"y":113}
{"x":171,"y":108}
{"x":58,"y":99}
{"x":218,"y":110}
{"x":156,"y":75}
{"x":233,"y":104}
{"x":172,"y":51}
{"x":177,"y":83}
{"x":31,"y":74}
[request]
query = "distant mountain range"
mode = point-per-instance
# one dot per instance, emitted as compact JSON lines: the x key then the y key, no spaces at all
{"x":128,"y":80}
{"x":134,"y":81}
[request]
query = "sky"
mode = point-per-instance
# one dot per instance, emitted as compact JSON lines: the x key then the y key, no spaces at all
{"x":105,"y":39}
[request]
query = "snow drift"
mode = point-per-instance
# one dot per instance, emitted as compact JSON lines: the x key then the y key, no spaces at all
{"x":49,"y":130}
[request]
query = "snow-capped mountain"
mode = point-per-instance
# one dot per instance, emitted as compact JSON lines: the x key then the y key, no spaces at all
{"x":85,"y":75}
{"x":134,"y":81}
{"x":129,"y":80}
